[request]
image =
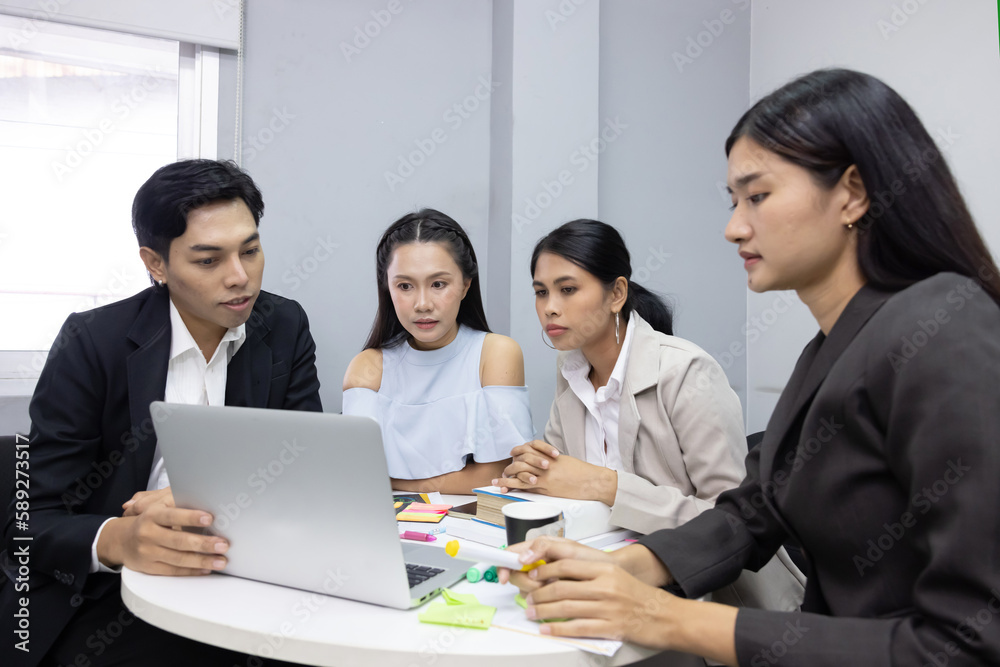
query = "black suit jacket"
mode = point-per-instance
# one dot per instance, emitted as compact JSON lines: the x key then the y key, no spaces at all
{"x":882,"y":459}
{"x":92,"y":440}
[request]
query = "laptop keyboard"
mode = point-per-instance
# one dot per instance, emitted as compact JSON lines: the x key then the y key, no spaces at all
{"x":418,"y":574}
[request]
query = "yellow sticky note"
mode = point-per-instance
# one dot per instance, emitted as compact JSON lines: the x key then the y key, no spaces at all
{"x":423,"y":517}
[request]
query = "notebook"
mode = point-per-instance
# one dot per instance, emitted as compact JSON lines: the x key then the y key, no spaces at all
{"x":302,"y":497}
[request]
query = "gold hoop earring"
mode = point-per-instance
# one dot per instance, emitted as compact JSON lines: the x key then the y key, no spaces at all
{"x":547,"y":344}
{"x":617,"y":339}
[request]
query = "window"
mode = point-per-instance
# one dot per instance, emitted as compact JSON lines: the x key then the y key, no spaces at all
{"x":86,"y":115}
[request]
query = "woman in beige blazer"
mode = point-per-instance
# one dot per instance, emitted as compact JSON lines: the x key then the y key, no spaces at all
{"x":642,"y":420}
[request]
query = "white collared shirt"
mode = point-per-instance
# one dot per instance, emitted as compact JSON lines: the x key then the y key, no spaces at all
{"x":603,"y":405}
{"x":192,"y":381}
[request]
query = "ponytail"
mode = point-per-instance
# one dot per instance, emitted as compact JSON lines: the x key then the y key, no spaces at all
{"x":650,"y":307}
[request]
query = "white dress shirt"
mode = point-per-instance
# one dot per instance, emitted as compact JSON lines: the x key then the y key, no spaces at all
{"x":192,"y":381}
{"x":603,"y":405}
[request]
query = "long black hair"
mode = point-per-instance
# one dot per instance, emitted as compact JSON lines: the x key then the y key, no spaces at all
{"x":599,"y":249}
{"x":424,"y":226}
{"x":917,"y":223}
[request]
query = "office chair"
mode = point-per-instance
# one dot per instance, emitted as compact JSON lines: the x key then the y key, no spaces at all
{"x":7,"y":460}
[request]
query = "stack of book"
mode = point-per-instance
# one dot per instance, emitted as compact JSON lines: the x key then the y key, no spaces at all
{"x":494,"y":536}
{"x":489,"y":502}
{"x":483,"y":533}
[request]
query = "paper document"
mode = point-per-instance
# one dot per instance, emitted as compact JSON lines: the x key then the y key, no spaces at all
{"x":511,"y":618}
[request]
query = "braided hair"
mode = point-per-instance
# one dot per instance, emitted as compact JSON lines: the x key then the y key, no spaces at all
{"x":424,"y":226}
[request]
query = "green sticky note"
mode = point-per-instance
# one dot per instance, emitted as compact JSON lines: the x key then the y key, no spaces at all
{"x":462,"y":610}
{"x":453,"y":598}
{"x":461,"y":615}
{"x":523,"y":604}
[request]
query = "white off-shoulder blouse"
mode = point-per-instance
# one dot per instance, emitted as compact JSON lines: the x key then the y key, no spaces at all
{"x":434,"y":413}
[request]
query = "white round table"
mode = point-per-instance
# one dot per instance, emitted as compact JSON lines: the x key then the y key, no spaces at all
{"x":289,"y":624}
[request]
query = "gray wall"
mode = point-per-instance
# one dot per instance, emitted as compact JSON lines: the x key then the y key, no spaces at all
{"x":555,"y":110}
{"x":346,"y":120}
{"x":942,"y":58}
{"x":563,"y":74}
{"x":659,"y":181}
{"x":321,"y":129}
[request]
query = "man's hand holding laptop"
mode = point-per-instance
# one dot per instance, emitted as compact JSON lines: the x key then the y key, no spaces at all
{"x":143,"y":500}
{"x":148,"y":538}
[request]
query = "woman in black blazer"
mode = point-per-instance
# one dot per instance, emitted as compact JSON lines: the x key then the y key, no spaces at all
{"x":882,"y":456}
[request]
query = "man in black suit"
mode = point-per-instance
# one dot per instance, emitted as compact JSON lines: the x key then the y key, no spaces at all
{"x":203,"y":333}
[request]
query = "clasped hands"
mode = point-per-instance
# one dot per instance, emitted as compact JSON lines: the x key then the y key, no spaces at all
{"x":149,"y":537}
{"x":540,"y":467}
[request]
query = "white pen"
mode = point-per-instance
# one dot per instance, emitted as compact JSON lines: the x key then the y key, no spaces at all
{"x":484,"y":554}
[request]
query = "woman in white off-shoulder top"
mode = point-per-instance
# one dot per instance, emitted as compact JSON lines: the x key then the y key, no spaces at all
{"x":448,"y":395}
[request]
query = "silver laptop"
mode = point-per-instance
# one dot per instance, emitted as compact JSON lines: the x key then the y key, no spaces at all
{"x":303,"y":498}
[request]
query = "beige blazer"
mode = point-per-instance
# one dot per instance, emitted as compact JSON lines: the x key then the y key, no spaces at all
{"x":682,"y":443}
{"x":680,"y":431}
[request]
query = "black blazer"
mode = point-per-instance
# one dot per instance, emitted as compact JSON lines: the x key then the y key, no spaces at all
{"x":92,"y":439}
{"x":882,"y":459}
